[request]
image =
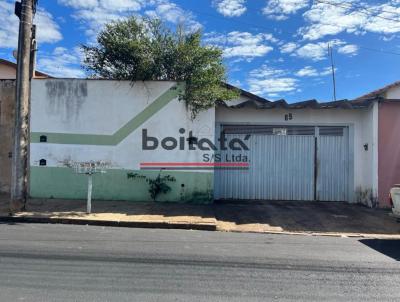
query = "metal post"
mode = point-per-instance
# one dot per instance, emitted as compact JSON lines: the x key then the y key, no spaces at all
{"x":19,"y":177}
{"x":330,"y":52}
{"x":89,"y":194}
{"x":32,"y":67}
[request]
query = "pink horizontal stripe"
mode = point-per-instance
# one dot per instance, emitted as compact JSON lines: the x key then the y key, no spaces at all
{"x":195,"y":164}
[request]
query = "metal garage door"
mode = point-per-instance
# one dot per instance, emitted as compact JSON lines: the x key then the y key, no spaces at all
{"x":286,"y":163}
{"x":332,"y":164}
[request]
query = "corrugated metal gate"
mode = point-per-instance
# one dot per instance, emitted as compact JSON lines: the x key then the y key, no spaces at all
{"x":286,"y":163}
{"x":332,"y":164}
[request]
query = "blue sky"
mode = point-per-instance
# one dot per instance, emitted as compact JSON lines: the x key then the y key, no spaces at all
{"x":273,"y":48}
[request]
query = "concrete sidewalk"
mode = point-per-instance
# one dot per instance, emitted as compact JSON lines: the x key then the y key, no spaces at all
{"x":301,"y":217}
{"x":287,"y":217}
{"x":116,"y":213}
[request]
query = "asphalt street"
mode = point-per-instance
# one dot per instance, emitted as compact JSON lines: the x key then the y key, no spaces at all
{"x":41,"y":262}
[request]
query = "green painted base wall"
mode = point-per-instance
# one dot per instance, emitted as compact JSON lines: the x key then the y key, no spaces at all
{"x":54,"y":182}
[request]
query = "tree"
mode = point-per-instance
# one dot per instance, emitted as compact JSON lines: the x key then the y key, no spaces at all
{"x":141,"y":50}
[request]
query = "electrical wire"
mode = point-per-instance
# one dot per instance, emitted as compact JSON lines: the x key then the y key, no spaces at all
{"x":285,"y":31}
{"x":377,"y":10}
{"x":379,"y":50}
{"x":346,"y":5}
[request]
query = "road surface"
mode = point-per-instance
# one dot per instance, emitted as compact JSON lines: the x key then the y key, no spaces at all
{"x":40,"y":262}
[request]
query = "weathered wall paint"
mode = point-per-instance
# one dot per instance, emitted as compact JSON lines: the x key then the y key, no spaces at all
{"x":99,"y":120}
{"x":389,"y":149}
{"x":7,"y":101}
{"x":359,"y":121}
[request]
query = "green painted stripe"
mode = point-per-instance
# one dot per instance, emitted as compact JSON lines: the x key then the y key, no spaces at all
{"x":62,"y":182}
{"x":121,"y":134}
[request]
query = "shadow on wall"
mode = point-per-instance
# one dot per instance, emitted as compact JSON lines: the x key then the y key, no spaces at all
{"x":388,"y":247}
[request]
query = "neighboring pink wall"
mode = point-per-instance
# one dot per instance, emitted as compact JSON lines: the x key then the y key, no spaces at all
{"x":388,"y":149}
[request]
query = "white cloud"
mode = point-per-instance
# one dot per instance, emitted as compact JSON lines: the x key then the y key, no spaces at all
{"x":288,"y":47}
{"x":326,"y":19}
{"x":271,"y":87}
{"x":241,"y":44}
{"x":327,"y":71}
{"x":309,"y":71}
{"x":271,"y":82}
{"x":319,"y":51}
{"x":79,"y":3}
{"x":94,"y":14}
{"x":230,"y":8}
{"x":313,"y":51}
{"x":264,"y":72}
{"x":48,"y":30}
{"x":171,"y":12}
{"x":61,"y":63}
{"x":281,"y":9}
{"x":349,"y":49}
{"x":122,"y":5}
{"x":9,"y":27}
{"x":246,"y":51}
{"x":110,"y":5}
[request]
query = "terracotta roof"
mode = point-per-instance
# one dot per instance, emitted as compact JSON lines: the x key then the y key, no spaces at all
{"x":14,"y":65}
{"x":379,"y":92}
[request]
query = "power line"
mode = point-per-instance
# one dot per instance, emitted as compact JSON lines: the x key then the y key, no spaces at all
{"x":346,"y":5}
{"x":285,"y":31}
{"x":236,"y":21}
{"x":367,"y":48}
{"x":377,"y":10}
{"x":379,"y":50}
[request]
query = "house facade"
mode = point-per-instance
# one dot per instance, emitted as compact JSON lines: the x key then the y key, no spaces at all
{"x":129,"y":127}
{"x":270,"y":150}
{"x":245,"y":149}
{"x":8,"y":71}
{"x":388,"y":142}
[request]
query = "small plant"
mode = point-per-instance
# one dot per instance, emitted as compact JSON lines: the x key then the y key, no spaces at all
{"x":157,"y":185}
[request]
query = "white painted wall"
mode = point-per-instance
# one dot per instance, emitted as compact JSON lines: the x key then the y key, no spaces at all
{"x":393,"y":93}
{"x":106,"y":107}
{"x":361,"y":123}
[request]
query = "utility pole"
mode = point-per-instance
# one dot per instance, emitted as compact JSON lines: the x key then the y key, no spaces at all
{"x":333,"y":71}
{"x":19,"y":173}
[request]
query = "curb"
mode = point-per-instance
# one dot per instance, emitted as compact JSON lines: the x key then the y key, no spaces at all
{"x":317,"y":234}
{"x":178,"y":226}
{"x":127,"y":224}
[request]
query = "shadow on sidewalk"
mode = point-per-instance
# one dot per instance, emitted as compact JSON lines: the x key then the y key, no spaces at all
{"x":388,"y":247}
{"x":302,"y":216}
